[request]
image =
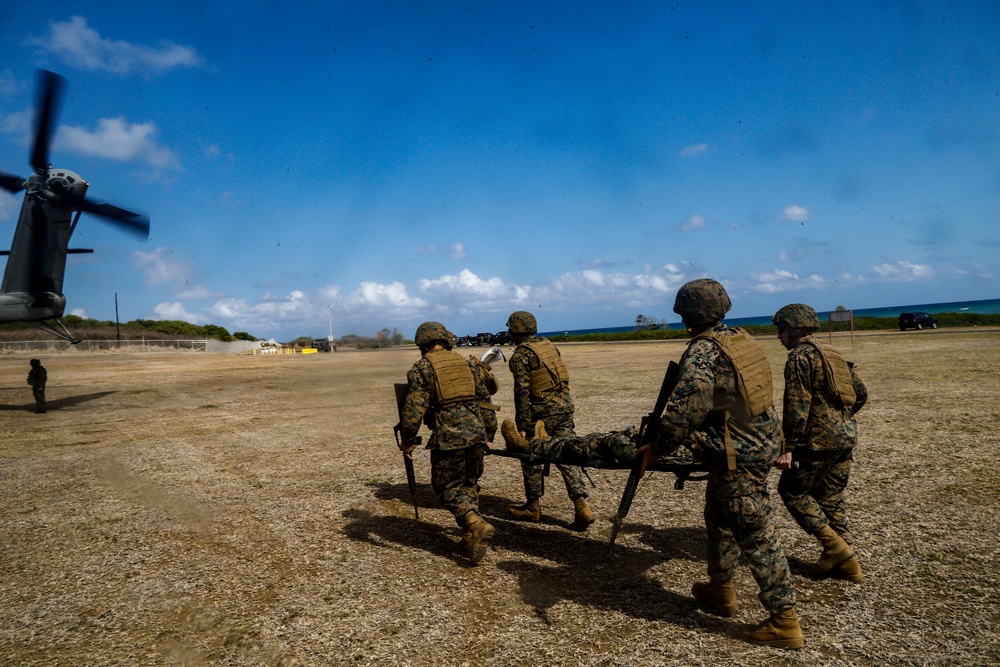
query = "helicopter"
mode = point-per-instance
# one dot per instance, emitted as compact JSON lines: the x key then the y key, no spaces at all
{"x":54,"y":200}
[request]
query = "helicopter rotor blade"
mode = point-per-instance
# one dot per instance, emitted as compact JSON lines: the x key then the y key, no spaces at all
{"x":51,"y":86}
{"x":133,"y":223}
{"x":11,"y":183}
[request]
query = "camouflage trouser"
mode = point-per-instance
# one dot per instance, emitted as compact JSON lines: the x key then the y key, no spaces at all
{"x":742,"y":525}
{"x":534,"y":475}
{"x":616,"y":446}
{"x":814,"y":492}
{"x":455,"y":477}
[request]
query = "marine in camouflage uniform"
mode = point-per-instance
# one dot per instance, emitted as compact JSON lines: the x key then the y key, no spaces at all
{"x":723,"y":404}
{"x":612,"y":446}
{"x":451,"y":399}
{"x":609,"y":449}
{"x":541,"y":393}
{"x":823,"y":392}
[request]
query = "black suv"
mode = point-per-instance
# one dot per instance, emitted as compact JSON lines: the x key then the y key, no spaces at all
{"x":916,"y":321}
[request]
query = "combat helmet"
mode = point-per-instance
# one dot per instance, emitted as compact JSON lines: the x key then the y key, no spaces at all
{"x":701,"y":302}
{"x":430,"y":332}
{"x":797,"y":316}
{"x":522,"y":322}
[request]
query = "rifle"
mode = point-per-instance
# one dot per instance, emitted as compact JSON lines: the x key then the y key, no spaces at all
{"x":649,"y":429}
{"x":411,"y":480}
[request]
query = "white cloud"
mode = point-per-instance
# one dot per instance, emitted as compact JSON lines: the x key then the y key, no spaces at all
{"x":694,"y":150}
{"x":466,"y":283}
{"x":795,"y":213}
{"x":79,"y":45}
{"x":774,"y":281}
{"x":599,"y":263}
{"x":198,"y":293}
{"x":600,"y":289}
{"x":455,"y":250}
{"x":272,"y":312}
{"x":904,"y":271}
{"x":160,"y":267}
{"x":18,"y":123}
{"x":79,"y":312}
{"x":370,"y":295}
{"x":692,"y":223}
{"x":117,"y":139}
{"x":176,"y":311}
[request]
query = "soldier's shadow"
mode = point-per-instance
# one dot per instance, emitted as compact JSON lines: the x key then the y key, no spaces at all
{"x":585,"y":571}
{"x":799,"y":567}
{"x":588,"y":574}
{"x":688,"y":543}
{"x":386,"y":531}
{"x":59,"y":403}
{"x":425,"y":496}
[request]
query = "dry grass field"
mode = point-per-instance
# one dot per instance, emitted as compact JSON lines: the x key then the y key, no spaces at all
{"x":193,"y":509}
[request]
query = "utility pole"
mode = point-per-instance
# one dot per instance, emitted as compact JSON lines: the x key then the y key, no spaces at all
{"x":329,"y":313}
{"x":118,"y":326}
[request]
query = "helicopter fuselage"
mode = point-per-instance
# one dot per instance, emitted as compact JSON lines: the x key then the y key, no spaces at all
{"x":31,"y":307}
{"x":37,"y":257}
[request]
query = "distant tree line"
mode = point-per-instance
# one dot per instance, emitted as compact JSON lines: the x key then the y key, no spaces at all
{"x":383,"y":338}
{"x":646,"y":328}
{"x":643,"y":323}
{"x":860,"y":324}
{"x":107,"y":330}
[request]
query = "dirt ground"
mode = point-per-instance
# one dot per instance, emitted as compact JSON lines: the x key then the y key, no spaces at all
{"x":194,"y":509}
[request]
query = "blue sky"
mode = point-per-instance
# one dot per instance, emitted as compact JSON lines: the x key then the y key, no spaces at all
{"x":459,"y":161}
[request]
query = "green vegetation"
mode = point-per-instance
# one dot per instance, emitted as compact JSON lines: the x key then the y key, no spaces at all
{"x":646,"y":329}
{"x":643,"y":322}
{"x":106,"y":330}
{"x":384,"y":338}
{"x":860,"y":324}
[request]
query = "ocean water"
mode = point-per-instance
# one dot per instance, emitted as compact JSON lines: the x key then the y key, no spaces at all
{"x":983,"y":307}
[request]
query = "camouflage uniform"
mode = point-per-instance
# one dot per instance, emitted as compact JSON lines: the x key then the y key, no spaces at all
{"x":737,"y":507}
{"x":612,"y":447}
{"x":554,"y":408}
{"x":459,"y":433}
{"x":821,"y":433}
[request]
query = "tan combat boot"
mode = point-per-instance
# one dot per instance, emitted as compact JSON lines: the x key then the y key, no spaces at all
{"x":584,"y":516}
{"x":835,"y":551}
{"x":849,"y":570}
{"x":718,"y":596}
{"x":476,"y":532}
{"x":531,"y":510}
{"x":781,"y":630}
{"x":512,"y":437}
{"x":540,"y":432}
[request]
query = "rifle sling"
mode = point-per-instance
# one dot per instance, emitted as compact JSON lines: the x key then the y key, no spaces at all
{"x":730,"y":450}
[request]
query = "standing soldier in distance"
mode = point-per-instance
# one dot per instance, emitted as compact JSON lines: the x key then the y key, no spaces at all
{"x":822,"y":394}
{"x":723,"y":403}
{"x":541,"y":393}
{"x":447,"y":396}
{"x":37,"y":377}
